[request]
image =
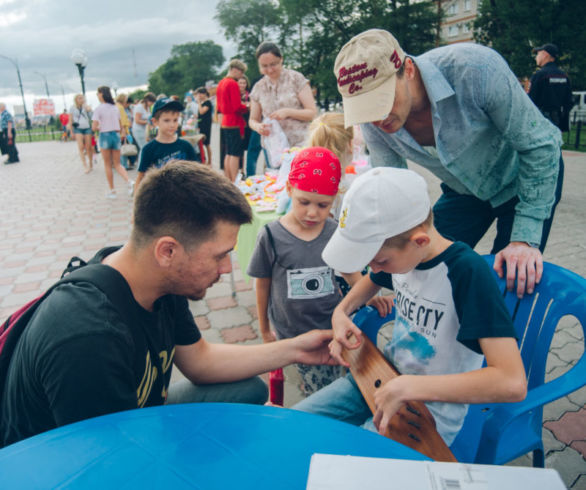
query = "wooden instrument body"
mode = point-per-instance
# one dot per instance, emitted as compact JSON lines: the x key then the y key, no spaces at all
{"x":413,"y":425}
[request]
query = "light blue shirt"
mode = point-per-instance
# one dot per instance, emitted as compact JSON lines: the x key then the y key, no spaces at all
{"x":491,"y":140}
{"x":5,"y":118}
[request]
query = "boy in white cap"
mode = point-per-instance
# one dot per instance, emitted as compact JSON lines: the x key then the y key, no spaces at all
{"x":449,"y":312}
{"x":460,"y":112}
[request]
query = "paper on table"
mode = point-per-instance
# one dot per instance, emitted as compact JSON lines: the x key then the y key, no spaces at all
{"x":332,"y":472}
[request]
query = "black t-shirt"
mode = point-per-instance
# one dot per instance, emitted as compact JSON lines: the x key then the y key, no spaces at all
{"x":77,"y":359}
{"x":155,"y":154}
{"x":204,"y":121}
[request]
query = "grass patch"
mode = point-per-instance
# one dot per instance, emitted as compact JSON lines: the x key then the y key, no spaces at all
{"x":570,"y":138}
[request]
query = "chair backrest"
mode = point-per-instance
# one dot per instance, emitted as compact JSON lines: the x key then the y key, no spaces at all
{"x":536,"y":316}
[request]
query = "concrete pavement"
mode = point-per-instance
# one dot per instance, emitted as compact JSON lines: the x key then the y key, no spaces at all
{"x":50,"y":210}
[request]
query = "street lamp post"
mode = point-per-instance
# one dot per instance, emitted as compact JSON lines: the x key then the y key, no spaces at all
{"x":26,"y":118}
{"x":46,"y":85}
{"x":79,"y":58}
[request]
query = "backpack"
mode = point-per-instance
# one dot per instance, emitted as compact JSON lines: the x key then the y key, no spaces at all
{"x":104,"y":277}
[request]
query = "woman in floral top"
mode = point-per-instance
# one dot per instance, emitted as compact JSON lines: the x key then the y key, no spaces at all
{"x":282,"y":94}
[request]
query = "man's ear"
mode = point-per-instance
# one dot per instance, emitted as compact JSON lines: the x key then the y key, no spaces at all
{"x":166,"y":250}
{"x":289,"y":188}
{"x":409,"y":68}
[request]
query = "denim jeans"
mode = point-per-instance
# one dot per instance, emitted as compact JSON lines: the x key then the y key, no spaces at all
{"x":252,"y":390}
{"x":254,"y":148}
{"x":339,"y":400}
{"x":466,"y":218}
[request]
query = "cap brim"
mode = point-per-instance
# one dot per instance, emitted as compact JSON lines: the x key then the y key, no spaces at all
{"x":348,"y":256}
{"x":373,"y":105}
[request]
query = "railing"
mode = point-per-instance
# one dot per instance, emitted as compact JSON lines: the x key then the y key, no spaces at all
{"x":38,"y":133}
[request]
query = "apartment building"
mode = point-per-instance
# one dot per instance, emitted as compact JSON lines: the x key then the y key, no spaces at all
{"x":458,"y":19}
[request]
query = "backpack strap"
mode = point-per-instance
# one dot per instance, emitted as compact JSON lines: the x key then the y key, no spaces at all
{"x":105,"y":278}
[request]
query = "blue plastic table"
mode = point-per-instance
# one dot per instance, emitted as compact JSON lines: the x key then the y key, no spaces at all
{"x":203,"y":446}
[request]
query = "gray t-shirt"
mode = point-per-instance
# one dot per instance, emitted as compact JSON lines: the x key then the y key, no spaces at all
{"x":303,"y":291}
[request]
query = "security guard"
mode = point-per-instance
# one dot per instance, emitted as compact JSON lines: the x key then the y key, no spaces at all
{"x":550,"y":87}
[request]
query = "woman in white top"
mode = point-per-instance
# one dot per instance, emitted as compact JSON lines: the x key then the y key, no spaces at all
{"x":80,"y":125}
{"x":106,"y":120}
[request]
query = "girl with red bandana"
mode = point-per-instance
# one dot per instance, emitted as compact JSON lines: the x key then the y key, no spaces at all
{"x":295,"y":289}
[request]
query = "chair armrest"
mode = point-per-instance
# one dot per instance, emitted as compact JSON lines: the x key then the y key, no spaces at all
{"x":506,"y":413}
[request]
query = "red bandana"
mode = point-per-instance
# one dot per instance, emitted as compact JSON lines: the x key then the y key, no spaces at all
{"x":316,"y":170}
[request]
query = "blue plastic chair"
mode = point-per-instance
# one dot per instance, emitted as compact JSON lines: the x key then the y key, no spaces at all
{"x":500,"y":432}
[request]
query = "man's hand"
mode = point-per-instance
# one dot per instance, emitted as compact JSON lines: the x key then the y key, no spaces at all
{"x":523,"y":262}
{"x":383,"y":304}
{"x":312,"y":347}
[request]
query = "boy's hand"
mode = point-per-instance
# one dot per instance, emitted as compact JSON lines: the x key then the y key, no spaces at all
{"x":388,"y":400}
{"x":313,"y":348}
{"x":268,"y":336}
{"x":383,"y":304}
{"x":343,"y":330}
{"x":336,"y":353}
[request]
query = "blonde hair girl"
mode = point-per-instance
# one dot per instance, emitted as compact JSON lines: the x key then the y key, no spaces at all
{"x":329,"y":132}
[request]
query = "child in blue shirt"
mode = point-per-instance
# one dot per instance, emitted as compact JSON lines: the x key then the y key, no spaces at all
{"x":166,"y":146}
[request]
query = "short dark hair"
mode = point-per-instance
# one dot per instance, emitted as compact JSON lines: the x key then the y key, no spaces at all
{"x":202,"y":90}
{"x":268,"y":47}
{"x":185,"y":200}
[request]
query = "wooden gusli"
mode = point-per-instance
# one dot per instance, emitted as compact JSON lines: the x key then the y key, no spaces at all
{"x":413,"y":425}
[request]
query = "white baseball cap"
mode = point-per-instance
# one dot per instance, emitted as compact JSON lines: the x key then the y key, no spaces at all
{"x":365,"y":70}
{"x":380,"y":204}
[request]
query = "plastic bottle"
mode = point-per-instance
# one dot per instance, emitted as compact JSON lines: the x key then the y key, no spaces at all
{"x":276,"y":382}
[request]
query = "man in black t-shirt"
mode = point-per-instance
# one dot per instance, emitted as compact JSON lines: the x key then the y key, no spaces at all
{"x":550,"y":87}
{"x":78,"y":358}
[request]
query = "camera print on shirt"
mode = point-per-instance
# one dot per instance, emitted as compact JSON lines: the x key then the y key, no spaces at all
{"x":309,"y":283}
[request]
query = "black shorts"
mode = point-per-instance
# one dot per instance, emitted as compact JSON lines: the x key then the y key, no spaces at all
{"x":233,"y":142}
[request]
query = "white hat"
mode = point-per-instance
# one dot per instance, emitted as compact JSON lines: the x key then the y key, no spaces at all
{"x":381,"y":203}
{"x":365,"y":69}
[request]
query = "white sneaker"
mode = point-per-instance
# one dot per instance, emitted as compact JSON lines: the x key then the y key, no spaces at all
{"x":130,"y":187}
{"x":111,"y":194}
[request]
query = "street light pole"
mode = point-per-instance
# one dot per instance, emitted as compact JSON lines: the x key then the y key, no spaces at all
{"x":26,"y":118}
{"x":79,"y":58}
{"x":46,"y":85}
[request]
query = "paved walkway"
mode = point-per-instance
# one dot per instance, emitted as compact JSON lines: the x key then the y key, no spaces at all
{"x":50,"y":211}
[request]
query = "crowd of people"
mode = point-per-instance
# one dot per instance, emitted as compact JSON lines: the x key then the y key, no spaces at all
{"x":457,"y":110}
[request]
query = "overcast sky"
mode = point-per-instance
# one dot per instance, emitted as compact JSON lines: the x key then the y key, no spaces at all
{"x":124,"y":40}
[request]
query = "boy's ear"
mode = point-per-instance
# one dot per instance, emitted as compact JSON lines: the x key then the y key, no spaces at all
{"x":289,"y":188}
{"x":420,"y":238}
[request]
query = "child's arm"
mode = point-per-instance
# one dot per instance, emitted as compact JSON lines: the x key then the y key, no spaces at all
{"x":360,"y":293}
{"x":502,"y":380}
{"x":139,"y":177}
{"x":263,"y":288}
{"x":383,"y":304}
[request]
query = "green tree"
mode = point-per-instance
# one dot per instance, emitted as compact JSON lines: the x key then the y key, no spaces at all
{"x":514,"y":28}
{"x":190,"y":66}
{"x":248,"y":23}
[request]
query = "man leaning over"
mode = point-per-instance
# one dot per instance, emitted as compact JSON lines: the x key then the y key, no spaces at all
{"x":460,"y":112}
